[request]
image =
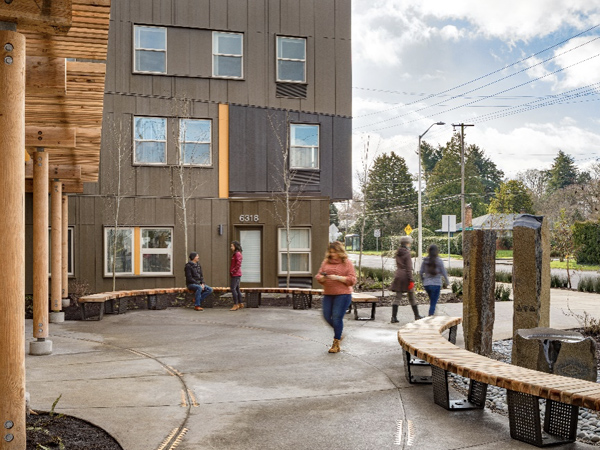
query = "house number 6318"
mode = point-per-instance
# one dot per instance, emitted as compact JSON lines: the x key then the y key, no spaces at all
{"x":249,"y":218}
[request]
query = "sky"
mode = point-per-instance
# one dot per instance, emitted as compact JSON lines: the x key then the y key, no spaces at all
{"x":526,"y":73}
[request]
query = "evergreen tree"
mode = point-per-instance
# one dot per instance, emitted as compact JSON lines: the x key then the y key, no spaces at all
{"x":490,"y":175}
{"x":563,"y":172}
{"x":430,"y":156}
{"x":512,"y":197}
{"x":333,"y":215}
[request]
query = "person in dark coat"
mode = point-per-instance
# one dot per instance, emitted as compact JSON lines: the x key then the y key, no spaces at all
{"x":195,"y":281}
{"x":403,"y":279}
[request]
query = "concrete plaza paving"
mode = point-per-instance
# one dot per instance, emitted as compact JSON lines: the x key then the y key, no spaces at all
{"x":256,"y":379}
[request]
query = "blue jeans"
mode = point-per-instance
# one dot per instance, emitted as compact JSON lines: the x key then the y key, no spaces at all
{"x":334,"y":309}
{"x":434,"y":295}
{"x":201,"y":294}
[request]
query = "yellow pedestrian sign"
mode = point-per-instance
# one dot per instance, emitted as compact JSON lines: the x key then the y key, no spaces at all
{"x":408,"y":230}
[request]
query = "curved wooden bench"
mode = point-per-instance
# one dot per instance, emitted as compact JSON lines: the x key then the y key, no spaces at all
{"x":114,"y":302}
{"x":524,"y":387}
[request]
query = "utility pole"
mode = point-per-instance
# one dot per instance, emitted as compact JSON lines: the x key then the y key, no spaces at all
{"x":462,"y":170}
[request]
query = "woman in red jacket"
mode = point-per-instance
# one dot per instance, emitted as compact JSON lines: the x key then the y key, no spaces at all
{"x":235,"y":270}
{"x":337,"y":275}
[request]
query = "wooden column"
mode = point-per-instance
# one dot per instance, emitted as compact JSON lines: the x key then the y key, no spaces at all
{"x":40,"y":244}
{"x":12,"y":240}
{"x":56,"y":241}
{"x":65,"y":250}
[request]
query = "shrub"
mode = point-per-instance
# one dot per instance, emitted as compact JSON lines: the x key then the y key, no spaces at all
{"x":455,"y":272}
{"x":457,"y":288}
{"x":590,"y":325}
{"x":504,"y":277}
{"x":505,"y":243}
{"x":558,"y":281}
{"x":502,"y":293}
{"x":589,"y":284}
{"x":586,"y":236}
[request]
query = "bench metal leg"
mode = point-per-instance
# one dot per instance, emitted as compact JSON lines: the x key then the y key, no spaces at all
{"x":441,"y":392}
{"x":116,"y":306}
{"x":560,"y":423}
{"x":252,"y":299}
{"x":301,"y":301}
{"x":356,"y":317}
{"x":409,"y":362}
{"x":84,"y":311}
{"x":452,"y":334}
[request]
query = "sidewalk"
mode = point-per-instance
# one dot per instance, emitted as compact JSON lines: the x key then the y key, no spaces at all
{"x":256,"y":379}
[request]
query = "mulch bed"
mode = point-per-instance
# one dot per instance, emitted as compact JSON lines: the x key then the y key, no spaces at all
{"x":66,"y":432}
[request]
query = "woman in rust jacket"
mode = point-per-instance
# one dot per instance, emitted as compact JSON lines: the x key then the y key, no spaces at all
{"x":403,"y":279}
{"x":337,"y":275}
{"x":235,"y":271}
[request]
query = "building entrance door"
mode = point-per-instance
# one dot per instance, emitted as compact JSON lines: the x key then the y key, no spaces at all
{"x":251,"y":240}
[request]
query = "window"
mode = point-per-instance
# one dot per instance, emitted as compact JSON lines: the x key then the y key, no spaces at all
{"x":194,"y":142}
{"x":304,"y":146}
{"x":251,"y":241}
{"x":150,"y":140}
{"x":118,"y":249}
{"x":291,"y":59}
{"x":156,"y":251}
{"x":150,"y":49}
{"x":228,"y":50}
{"x":70,"y":265}
{"x":299,"y":250}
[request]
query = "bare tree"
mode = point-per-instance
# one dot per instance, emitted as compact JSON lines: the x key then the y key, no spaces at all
{"x":363,"y":184}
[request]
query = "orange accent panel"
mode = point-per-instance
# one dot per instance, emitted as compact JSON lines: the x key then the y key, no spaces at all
{"x":223,"y":151}
{"x":136,"y":250}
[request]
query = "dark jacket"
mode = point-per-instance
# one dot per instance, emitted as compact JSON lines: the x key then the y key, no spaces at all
{"x":235,"y":268}
{"x":404,"y":271}
{"x":193,"y":273}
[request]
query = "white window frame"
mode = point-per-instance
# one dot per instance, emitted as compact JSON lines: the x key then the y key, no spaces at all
{"x":182,"y":144}
{"x":279,"y":58}
{"x":155,"y":251}
{"x":71,"y":254}
{"x":241,"y":57}
{"x":283,"y":250}
{"x":108,"y":273}
{"x":135,"y":141}
{"x":136,"y":48}
{"x":292,"y":146}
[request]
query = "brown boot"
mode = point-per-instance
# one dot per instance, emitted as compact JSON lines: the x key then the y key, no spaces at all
{"x":235,"y":307}
{"x":240,"y":306}
{"x":335,"y":348}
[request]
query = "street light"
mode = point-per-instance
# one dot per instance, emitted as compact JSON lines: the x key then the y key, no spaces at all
{"x":420,"y":213}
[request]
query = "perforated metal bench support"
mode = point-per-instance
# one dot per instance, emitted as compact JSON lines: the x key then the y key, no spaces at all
{"x":441,"y":392}
{"x":560,"y":423}
{"x":301,"y":301}
{"x":252,"y":299}
{"x":373,"y":306}
{"x":452,"y":334}
{"x":110,"y":306}
{"x":83,"y":307}
{"x":409,"y":361}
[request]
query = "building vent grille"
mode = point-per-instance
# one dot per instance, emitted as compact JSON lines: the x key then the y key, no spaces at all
{"x":306,"y":177}
{"x":291,"y":90}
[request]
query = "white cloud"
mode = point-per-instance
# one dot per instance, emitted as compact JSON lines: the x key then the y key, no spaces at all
{"x":451,"y":33}
{"x":583,"y":72}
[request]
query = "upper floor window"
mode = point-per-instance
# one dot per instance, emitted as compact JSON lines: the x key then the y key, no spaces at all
{"x":150,"y":49}
{"x":291,"y":59}
{"x":150,"y":140}
{"x":194,"y":142}
{"x":304,"y":146}
{"x":228,"y":50}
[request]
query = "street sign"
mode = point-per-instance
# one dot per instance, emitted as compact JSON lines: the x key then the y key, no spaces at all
{"x":377,"y":233}
{"x":449,"y":224}
{"x":408,"y":229}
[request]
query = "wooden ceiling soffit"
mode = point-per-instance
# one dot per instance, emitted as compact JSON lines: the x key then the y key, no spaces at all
{"x":69,"y":187}
{"x":41,"y":16}
{"x":54,"y":171}
{"x":46,"y":76}
{"x":50,"y":137}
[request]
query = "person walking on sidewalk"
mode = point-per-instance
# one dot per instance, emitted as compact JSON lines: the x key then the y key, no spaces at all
{"x":403,"y":279}
{"x":432,"y":270}
{"x":235,"y":271}
{"x":337,"y":275}
{"x":195,"y":281}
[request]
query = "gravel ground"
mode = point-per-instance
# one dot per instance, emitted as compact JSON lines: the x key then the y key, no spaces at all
{"x":588,"y":428}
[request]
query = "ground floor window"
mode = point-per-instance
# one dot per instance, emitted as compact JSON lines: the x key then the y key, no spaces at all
{"x":299,"y":250}
{"x":70,"y":262}
{"x":138,"y":251}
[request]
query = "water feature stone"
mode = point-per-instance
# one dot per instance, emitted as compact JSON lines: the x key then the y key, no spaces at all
{"x":479,"y":282}
{"x":560,"y":352}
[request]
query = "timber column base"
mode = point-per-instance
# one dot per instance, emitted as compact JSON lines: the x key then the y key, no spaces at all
{"x":57,"y":317}
{"x":41,"y":347}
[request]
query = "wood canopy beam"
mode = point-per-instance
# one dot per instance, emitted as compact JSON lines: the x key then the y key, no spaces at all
{"x":47,"y":16}
{"x":68,"y":187}
{"x":46,"y":76}
{"x":50,"y":137}
{"x":62,"y":172}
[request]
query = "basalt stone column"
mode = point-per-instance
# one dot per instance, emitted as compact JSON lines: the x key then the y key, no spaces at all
{"x":479,"y":281}
{"x":531,"y":274}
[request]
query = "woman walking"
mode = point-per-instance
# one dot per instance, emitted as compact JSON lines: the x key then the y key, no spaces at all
{"x":337,"y":275}
{"x":235,"y":271}
{"x":432,"y":271}
{"x":403,"y":279}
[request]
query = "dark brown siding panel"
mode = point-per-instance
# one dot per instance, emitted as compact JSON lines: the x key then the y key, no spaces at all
{"x":343,"y":19}
{"x":325,"y":70}
{"x":326,"y":143}
{"x":218,"y":14}
{"x":238,"y":153}
{"x":343,"y":77}
{"x":290,"y":17}
{"x":237,"y":13}
{"x":325,"y":19}
{"x":342,"y":159}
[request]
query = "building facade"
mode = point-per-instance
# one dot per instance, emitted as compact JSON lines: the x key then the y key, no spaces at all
{"x":215,"y":112}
